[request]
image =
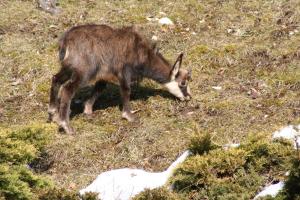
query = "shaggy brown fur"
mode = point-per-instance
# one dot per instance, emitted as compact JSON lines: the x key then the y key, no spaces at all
{"x":97,"y":54}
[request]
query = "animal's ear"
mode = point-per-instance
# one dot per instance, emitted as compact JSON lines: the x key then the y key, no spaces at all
{"x":155,"y":48}
{"x":176,"y":66}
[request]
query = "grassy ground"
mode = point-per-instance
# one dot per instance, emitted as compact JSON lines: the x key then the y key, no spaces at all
{"x":249,"y":48}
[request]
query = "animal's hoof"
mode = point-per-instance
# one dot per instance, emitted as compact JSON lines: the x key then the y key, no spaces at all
{"x":55,"y":118}
{"x":50,"y":118}
{"x":128,"y":116}
{"x":52,"y":114}
{"x":67,"y":128}
{"x":70,"y":131}
{"x":88,"y":110}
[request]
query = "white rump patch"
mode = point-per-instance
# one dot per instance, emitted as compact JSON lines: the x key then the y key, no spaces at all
{"x":174,"y":89}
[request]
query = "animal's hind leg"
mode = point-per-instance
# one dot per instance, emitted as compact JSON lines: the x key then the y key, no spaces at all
{"x":88,"y":106}
{"x":67,"y":92}
{"x":57,"y":80}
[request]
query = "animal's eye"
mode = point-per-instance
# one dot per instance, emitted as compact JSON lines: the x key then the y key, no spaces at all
{"x":183,"y":84}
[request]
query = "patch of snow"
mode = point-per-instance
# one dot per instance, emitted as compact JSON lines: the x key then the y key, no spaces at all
{"x":289,"y":132}
{"x":231,"y":145}
{"x":124,"y":184}
{"x":165,"y":21}
{"x":272,"y":190}
{"x":217,"y":87}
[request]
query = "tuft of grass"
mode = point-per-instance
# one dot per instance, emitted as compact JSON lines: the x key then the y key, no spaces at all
{"x":201,"y":144}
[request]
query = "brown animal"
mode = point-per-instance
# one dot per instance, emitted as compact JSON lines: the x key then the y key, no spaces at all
{"x":97,"y":54}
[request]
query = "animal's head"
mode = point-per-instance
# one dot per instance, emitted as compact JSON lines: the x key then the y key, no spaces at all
{"x":179,"y":79}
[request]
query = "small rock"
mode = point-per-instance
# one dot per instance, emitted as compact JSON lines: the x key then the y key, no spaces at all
{"x":16,"y":82}
{"x":163,"y":13}
{"x":230,"y":30}
{"x":231,"y":145}
{"x":150,"y":18}
{"x":165,"y":21}
{"x":49,"y":6}
{"x":154,"y":38}
{"x":254,"y":93}
{"x":72,"y":186}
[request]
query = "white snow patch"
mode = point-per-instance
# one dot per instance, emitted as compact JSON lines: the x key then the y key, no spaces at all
{"x":124,"y":184}
{"x":272,"y":190}
{"x":165,"y":21}
{"x":289,"y":132}
{"x":231,"y":145}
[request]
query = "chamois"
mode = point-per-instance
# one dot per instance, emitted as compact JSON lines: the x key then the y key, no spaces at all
{"x":97,"y":54}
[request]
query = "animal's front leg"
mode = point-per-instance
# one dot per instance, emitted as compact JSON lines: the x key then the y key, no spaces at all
{"x":125,"y":81}
{"x":126,"y":112}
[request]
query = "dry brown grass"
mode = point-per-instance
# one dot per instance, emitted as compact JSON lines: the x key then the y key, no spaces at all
{"x":238,"y":45}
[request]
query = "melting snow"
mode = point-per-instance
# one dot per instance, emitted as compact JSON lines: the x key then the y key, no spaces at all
{"x":123,"y":184}
{"x":270,"y":190}
{"x":289,"y":132}
{"x":231,"y":145}
{"x":165,"y":21}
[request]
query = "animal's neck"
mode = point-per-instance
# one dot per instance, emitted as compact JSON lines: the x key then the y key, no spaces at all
{"x":157,"y":70}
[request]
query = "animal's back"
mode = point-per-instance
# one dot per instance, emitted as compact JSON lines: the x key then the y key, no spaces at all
{"x":84,"y":38}
{"x":97,"y":52}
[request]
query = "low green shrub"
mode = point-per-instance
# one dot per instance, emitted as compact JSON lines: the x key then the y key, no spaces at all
{"x":17,"y":149}
{"x":157,"y":194}
{"x":236,"y":173}
{"x":63,"y":194}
